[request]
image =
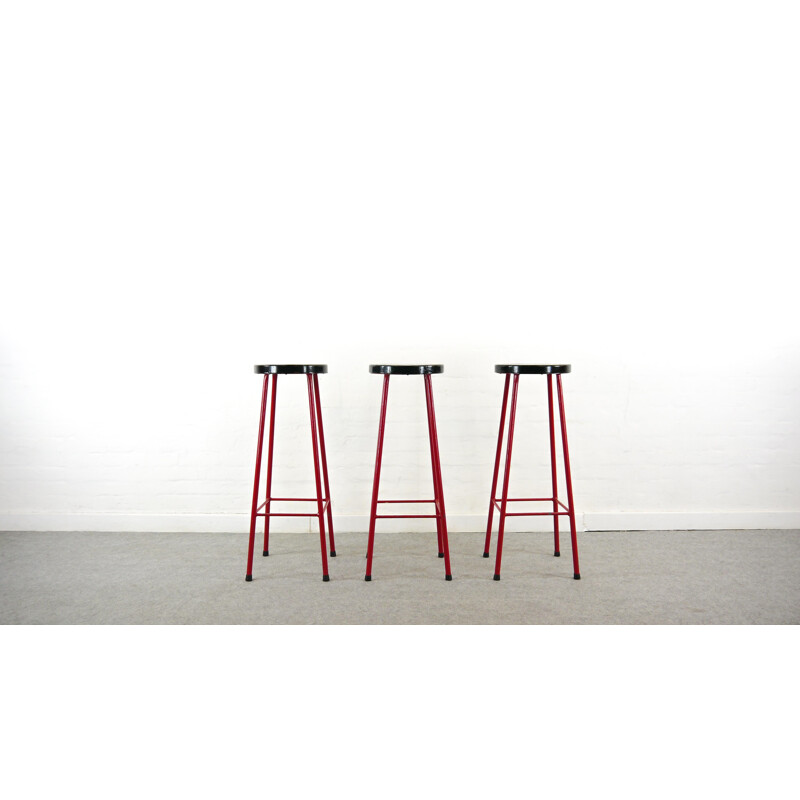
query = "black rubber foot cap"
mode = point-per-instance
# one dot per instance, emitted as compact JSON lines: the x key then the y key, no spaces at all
{"x":486,"y":555}
{"x":248,"y":577}
{"x":368,"y":577}
{"x":266,"y":552}
{"x":448,"y":577}
{"x":441,"y":555}
{"x":497,"y":577}
{"x":577,"y":576}
{"x":326,"y":577}
{"x":333,"y":554}
{"x":557,"y":554}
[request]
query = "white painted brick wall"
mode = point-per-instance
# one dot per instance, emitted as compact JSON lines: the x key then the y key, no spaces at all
{"x":641,"y":445}
{"x":523,"y":190}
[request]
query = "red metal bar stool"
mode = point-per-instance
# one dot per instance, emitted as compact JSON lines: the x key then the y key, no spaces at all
{"x":323,"y":501}
{"x":559,"y":509}
{"x":387,"y":370}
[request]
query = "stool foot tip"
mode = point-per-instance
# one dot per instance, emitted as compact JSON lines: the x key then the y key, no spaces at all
{"x":557,"y":554}
{"x":577,"y":576}
{"x":266,"y":552}
{"x":248,"y":577}
{"x":448,"y":577}
{"x":486,"y":555}
{"x":441,"y":555}
{"x":326,"y":578}
{"x":368,"y":577}
{"x":333,"y":554}
{"x":497,"y":577}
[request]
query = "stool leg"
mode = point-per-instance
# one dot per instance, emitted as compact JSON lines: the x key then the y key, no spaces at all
{"x":377,"y":479}
{"x":496,"y":467}
{"x":324,"y":465}
{"x":433,"y":470}
{"x":320,"y":508}
{"x":557,"y":551}
{"x":254,"y":509}
{"x":441,"y":516}
{"x":504,"y":501}
{"x":271,"y":442}
{"x":568,"y":474}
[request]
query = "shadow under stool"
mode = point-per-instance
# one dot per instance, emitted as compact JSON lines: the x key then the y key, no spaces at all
{"x":501,"y":503}
{"x":426,"y":370}
{"x":323,"y":500}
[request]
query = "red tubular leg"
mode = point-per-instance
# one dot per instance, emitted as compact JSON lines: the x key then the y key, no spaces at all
{"x":259,"y":448}
{"x":557,"y":551}
{"x":320,"y":505}
{"x":267,"y":508}
{"x":504,"y":501}
{"x":496,"y":467}
{"x":441,"y":516}
{"x":433,"y":469}
{"x":568,"y":474}
{"x":377,"y":479}
{"x":324,"y":466}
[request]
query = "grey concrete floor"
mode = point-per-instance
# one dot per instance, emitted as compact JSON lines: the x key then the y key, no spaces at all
{"x":666,"y":577}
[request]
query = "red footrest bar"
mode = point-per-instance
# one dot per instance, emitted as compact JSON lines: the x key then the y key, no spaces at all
{"x":498,"y":506}
{"x":406,"y":501}
{"x":259,"y":513}
{"x":406,"y":516}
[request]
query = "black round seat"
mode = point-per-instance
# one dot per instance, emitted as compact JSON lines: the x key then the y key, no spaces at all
{"x":290,"y":369}
{"x":532,"y":369}
{"x":406,"y":369}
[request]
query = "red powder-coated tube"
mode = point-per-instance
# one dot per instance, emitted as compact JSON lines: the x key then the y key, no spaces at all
{"x":503,"y":407}
{"x":377,"y":478}
{"x":271,"y":447}
{"x":324,"y":465}
{"x":317,"y":479}
{"x":568,"y":475}
{"x":506,"y":475}
{"x":257,"y":480}
{"x":556,"y":543}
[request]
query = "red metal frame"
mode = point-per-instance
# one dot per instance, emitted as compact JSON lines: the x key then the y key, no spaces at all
{"x":439,"y":510}
{"x":436,"y":466}
{"x":254,"y":509}
{"x":496,"y":466}
{"x":502,"y":502}
{"x":323,"y":501}
{"x":377,"y":477}
{"x":324,"y":459}
{"x":269,"y":459}
{"x":556,"y":543}
{"x":506,"y":476}
{"x":434,"y":451}
{"x":568,"y":474}
{"x":317,"y":480}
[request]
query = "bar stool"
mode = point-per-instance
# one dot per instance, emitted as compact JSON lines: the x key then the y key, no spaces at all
{"x":387,"y":370}
{"x":311,"y":371}
{"x":559,"y":509}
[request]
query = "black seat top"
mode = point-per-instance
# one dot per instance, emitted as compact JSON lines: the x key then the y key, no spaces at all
{"x":290,"y":369}
{"x":406,"y":369}
{"x":532,"y":369}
